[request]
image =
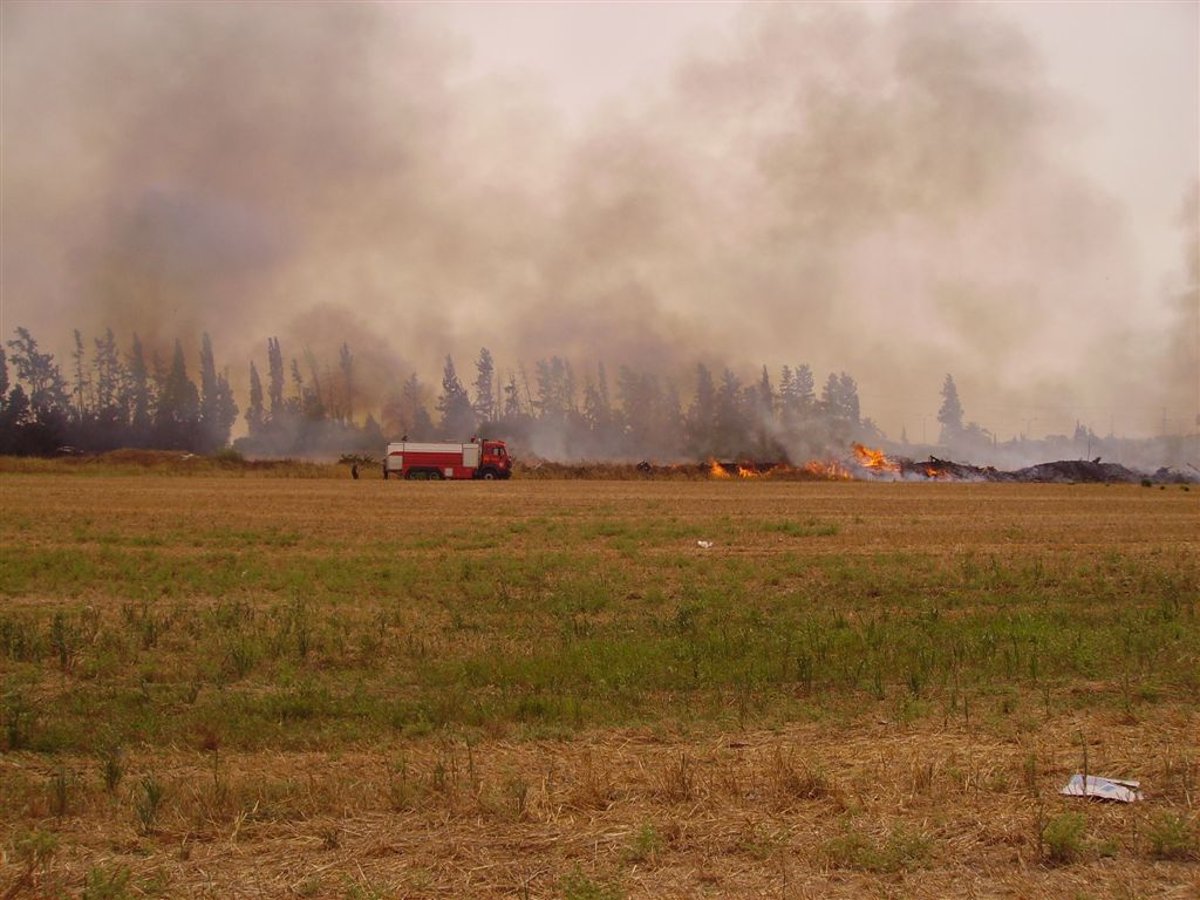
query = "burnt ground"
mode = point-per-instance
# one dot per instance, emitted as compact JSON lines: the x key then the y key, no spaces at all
{"x":899,"y":468}
{"x":1063,"y":471}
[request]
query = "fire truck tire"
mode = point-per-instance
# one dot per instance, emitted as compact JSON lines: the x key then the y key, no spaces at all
{"x":489,"y":475}
{"x":435,"y":474}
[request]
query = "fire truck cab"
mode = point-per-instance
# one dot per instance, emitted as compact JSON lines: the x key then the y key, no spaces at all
{"x":477,"y":459}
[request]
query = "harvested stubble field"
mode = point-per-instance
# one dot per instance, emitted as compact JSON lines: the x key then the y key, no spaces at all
{"x":239,"y":685}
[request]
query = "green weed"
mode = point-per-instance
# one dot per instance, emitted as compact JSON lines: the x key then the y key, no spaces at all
{"x":17,"y":716}
{"x":148,"y":803}
{"x":1173,"y":835}
{"x":33,"y":848}
{"x":644,"y":846}
{"x":899,"y":850}
{"x":112,"y":767}
{"x":108,"y":883}
{"x":576,"y":885}
{"x":1063,"y":836}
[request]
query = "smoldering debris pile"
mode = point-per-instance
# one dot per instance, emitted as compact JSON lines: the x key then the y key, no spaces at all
{"x":864,"y":464}
{"x":1080,"y":470}
{"x":1064,"y":471}
{"x":875,"y":465}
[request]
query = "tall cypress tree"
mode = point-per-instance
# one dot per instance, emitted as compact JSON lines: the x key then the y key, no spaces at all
{"x":275,"y":379}
{"x":805,"y":388}
{"x":346,"y":364}
{"x":848,"y":389}
{"x":485,"y":386}
{"x":597,"y":408}
{"x":112,"y":419}
{"x":731,"y":425}
{"x":407,"y":415}
{"x":226,"y":409}
{"x":82,"y":383}
{"x":218,"y":411}
{"x":702,"y":415}
{"x":3,"y":378}
{"x":458,"y":419}
{"x":831,"y":397}
{"x":177,"y":413}
{"x":210,"y":401}
{"x":255,"y":415}
{"x":951,"y":412}
{"x":140,"y":400}
{"x":512,"y":397}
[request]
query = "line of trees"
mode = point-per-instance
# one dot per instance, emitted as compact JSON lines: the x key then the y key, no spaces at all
{"x":112,"y":398}
{"x":304,"y":410}
{"x":641,"y":415}
{"x":108,"y":396}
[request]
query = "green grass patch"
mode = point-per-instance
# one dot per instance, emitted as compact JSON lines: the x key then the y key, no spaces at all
{"x":318,"y":613}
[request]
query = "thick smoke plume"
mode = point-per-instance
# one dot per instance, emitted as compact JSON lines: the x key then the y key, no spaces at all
{"x":876,"y":194}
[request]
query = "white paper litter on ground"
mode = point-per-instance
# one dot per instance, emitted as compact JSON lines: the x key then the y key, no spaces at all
{"x":1103,"y":788}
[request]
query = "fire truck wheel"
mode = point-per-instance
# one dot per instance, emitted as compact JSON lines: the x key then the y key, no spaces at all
{"x":489,"y":475}
{"x":435,"y":475}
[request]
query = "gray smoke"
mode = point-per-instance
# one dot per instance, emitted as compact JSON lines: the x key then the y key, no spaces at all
{"x":1183,"y":348}
{"x":872,"y":194}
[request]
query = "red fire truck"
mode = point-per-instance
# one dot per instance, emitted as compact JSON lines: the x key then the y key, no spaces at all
{"x":478,"y":459}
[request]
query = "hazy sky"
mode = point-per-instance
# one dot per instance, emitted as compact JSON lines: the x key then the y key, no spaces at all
{"x":1129,"y":74}
{"x":994,"y":190}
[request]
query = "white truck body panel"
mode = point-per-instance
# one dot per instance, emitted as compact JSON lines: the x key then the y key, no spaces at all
{"x":464,"y":455}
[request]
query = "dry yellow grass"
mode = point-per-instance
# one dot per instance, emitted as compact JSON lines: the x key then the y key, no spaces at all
{"x":773,"y":788}
{"x":750,"y":814}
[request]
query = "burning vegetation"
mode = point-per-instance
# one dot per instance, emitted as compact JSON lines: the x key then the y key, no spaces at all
{"x":875,"y":460}
{"x":763,"y":429}
{"x":813,"y":470}
{"x":873,"y":464}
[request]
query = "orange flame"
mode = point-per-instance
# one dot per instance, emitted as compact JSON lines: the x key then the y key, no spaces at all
{"x":875,"y":460}
{"x":826,"y":470}
{"x":717,"y":470}
{"x":831,"y":470}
